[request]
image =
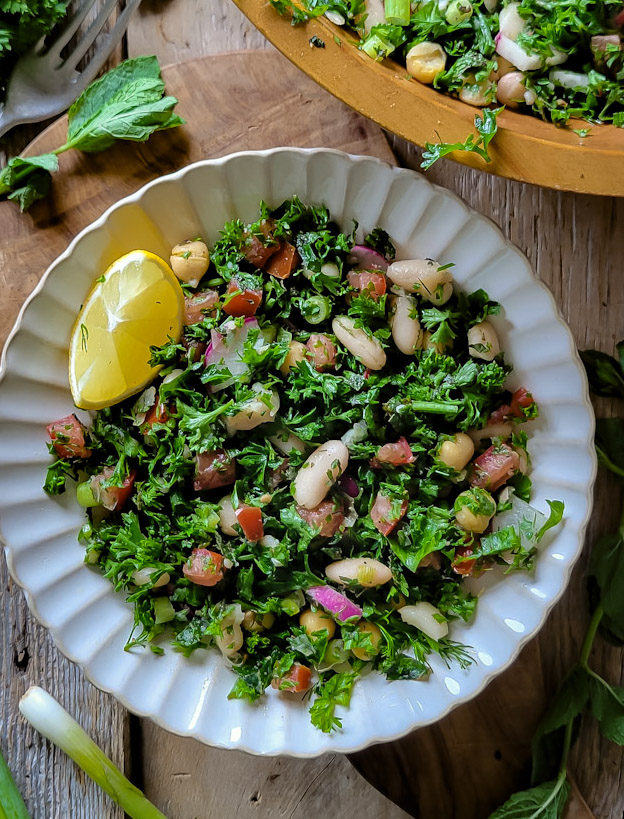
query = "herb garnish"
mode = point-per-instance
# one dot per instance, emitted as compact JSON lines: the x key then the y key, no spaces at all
{"x":126,"y":103}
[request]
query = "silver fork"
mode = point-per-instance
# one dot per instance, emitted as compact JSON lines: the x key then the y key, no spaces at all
{"x":43,"y":84}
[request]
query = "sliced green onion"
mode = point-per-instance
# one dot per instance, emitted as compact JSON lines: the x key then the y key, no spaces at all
{"x":163,"y":610}
{"x":458,"y":11}
{"x":84,"y":494}
{"x":293,"y":603}
{"x":50,"y":719}
{"x":376,"y":48}
{"x":316,"y":309}
{"x":398,"y":12}
{"x":11,"y":803}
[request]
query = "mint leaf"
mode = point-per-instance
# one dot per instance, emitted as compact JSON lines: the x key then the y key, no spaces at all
{"x":605,"y":374}
{"x":126,"y":103}
{"x":546,"y":801}
{"x":607,"y":566}
{"x":567,"y":705}
{"x":607,"y":703}
{"x":610,"y":444}
{"x":26,"y":179}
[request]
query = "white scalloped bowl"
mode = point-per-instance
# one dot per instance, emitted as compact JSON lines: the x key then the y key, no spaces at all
{"x":90,"y":623}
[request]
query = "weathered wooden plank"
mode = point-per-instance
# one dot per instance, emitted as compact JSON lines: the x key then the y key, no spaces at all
{"x":52,"y":786}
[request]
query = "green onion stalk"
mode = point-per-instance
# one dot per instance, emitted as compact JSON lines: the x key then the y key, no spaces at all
{"x":46,"y":715}
{"x":11,"y":803}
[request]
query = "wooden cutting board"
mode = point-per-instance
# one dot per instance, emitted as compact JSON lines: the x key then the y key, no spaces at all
{"x":463,"y":766}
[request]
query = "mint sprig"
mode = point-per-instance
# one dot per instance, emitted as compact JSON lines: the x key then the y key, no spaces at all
{"x":126,"y":103}
{"x":584,"y":689}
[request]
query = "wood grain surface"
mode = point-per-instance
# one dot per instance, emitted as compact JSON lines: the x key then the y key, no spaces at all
{"x":469,"y":762}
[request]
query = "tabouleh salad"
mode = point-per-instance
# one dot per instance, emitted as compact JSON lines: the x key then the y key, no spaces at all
{"x":323,"y":457}
{"x":558,"y":60}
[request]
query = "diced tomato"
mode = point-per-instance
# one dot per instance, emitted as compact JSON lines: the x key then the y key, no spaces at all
{"x":327,"y":517}
{"x":112,"y":497}
{"x":196,"y":307}
{"x":204,"y":567}
{"x":214,"y":469}
{"x":494,"y":468}
{"x":394,"y":454}
{"x":244,"y":303}
{"x":68,"y":437}
{"x":384,"y":516}
{"x":250,"y":519}
{"x":368,"y":282}
{"x":618,"y":20}
{"x":520,"y":401}
{"x":465,"y":567}
{"x":158,"y":414}
{"x":282,"y":263}
{"x":298,"y":680}
{"x":322,"y":351}
{"x":255,"y":250}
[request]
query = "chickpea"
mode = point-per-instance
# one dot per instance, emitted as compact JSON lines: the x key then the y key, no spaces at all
{"x":189,"y":261}
{"x":483,"y":342}
{"x":474,"y":509}
{"x":510,"y":89}
{"x":425,"y":61}
{"x":457,"y":451}
{"x":503,"y":67}
{"x":477,"y":93}
{"x":397,"y":603}
{"x":255,"y":622}
{"x":375,"y":636}
{"x":428,"y":344}
{"x":426,"y":277}
{"x":296,"y":353}
{"x":314,"y":621}
{"x":144,"y":576}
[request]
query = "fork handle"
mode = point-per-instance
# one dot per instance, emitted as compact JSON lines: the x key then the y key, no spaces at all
{"x":8,"y":120}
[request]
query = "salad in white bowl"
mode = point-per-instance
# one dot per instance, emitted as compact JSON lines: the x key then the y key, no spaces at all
{"x":202,"y":695}
{"x":325,"y":450}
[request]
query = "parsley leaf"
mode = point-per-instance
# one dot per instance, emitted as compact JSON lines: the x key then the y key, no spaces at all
{"x":486,"y":126}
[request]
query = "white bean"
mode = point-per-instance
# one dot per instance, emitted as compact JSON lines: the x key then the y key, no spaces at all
{"x":227,"y":516}
{"x":510,"y":89}
{"x":287,"y":441}
{"x":319,"y":473}
{"x":406,"y":330}
{"x":143,"y":576}
{"x":364,"y":570}
{"x":365,"y":348}
{"x":424,"y":61}
{"x":457,"y":451}
{"x":483,"y":342}
{"x":423,"y":276}
{"x":424,"y":616}
{"x":256,"y":411}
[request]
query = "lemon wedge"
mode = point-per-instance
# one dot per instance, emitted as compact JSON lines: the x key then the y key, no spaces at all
{"x":137,"y":303}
